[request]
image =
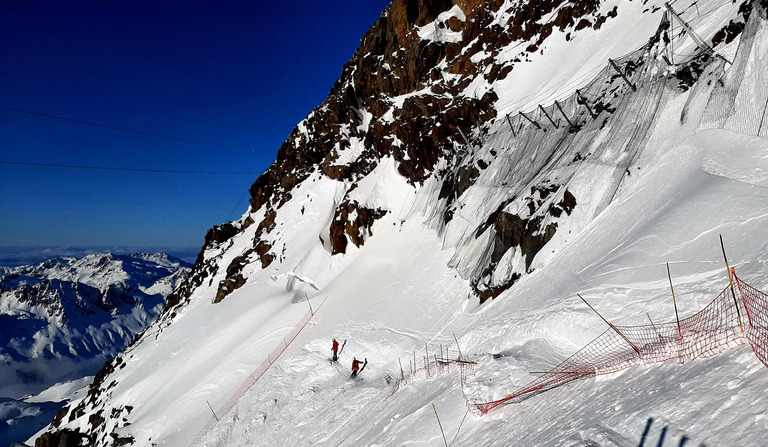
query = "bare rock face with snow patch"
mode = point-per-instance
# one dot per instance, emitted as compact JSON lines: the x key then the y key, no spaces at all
{"x":407,"y":94}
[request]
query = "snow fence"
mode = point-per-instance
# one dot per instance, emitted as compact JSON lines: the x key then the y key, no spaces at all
{"x":738,"y":315}
{"x":256,"y":374}
{"x":433,"y":365}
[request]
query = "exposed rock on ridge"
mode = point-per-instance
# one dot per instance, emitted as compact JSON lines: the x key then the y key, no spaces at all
{"x":402,"y":95}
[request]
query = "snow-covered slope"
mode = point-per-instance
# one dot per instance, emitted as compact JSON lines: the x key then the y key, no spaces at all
{"x":477,"y":165}
{"x":62,"y":319}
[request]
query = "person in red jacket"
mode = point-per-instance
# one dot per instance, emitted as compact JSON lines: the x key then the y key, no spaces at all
{"x":335,"y":349}
{"x":355,"y":366}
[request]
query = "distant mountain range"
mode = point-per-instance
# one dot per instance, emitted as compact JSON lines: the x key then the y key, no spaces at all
{"x":61,"y":319}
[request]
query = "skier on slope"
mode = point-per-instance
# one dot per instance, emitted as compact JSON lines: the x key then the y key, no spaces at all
{"x":355,"y":366}
{"x":335,"y":349}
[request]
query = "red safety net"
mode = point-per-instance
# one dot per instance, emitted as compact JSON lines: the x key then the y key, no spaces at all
{"x":756,"y":323}
{"x":714,"y":329}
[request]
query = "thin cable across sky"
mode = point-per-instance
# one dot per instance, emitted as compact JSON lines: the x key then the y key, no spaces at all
{"x":121,"y":129}
{"x":108,"y":168}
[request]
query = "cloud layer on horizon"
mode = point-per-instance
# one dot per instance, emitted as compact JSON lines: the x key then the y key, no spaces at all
{"x":16,"y":256}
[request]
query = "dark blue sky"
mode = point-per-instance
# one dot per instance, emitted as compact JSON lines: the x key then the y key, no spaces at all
{"x":239,"y":74}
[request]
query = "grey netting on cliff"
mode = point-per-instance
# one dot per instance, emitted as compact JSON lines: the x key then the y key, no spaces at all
{"x":719,"y":327}
{"x":629,"y":90}
{"x":739,"y":102}
{"x":604,"y":122}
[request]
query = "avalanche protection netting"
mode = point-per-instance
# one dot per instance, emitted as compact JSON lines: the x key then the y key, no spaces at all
{"x":738,"y":315}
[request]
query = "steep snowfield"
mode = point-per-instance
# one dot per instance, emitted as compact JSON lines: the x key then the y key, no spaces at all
{"x":673,"y":214}
{"x":655,"y":183}
{"x":389,"y":302}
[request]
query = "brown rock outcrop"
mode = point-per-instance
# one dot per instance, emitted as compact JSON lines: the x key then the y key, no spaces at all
{"x":352,"y":222}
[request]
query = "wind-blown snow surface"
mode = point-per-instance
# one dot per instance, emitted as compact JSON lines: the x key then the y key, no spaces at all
{"x":403,"y":289}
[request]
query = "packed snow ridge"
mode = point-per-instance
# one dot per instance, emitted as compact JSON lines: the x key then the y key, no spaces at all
{"x":477,"y":165}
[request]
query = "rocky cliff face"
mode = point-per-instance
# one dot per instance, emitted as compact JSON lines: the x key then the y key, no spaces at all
{"x":406,"y":94}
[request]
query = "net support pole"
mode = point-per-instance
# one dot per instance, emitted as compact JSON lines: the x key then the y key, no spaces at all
{"x":311,"y":312}
{"x":695,"y":37}
{"x":730,"y":279}
{"x":214,"y":413}
{"x":534,"y":122}
{"x":548,"y":117}
{"x":611,"y":325}
{"x":457,"y":344}
{"x":741,"y":291}
{"x":654,"y":327}
{"x":583,"y":101}
{"x":511,"y":127}
{"x":563,"y":113}
{"x":623,"y":76}
{"x":677,"y":317}
{"x":466,"y":140}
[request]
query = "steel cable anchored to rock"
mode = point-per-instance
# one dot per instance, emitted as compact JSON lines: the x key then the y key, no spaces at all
{"x":711,"y":331}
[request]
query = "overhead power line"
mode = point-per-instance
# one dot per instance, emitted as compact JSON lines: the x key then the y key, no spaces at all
{"x":121,"y":129}
{"x":107,"y":168}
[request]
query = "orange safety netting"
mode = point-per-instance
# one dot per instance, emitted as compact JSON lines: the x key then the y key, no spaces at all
{"x":714,"y":329}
